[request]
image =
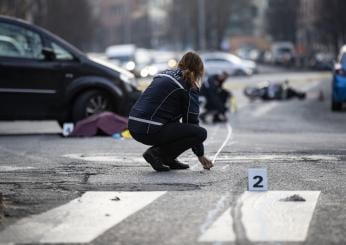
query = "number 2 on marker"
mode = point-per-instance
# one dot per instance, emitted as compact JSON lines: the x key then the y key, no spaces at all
{"x":259,"y":181}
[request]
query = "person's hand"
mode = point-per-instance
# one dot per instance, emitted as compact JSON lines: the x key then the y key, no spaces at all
{"x":206,"y":163}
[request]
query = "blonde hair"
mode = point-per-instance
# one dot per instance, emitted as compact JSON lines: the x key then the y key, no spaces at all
{"x":192,"y":67}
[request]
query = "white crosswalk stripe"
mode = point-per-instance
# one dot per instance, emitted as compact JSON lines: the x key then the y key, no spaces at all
{"x":79,"y":221}
{"x":266,"y":217}
{"x":221,"y":230}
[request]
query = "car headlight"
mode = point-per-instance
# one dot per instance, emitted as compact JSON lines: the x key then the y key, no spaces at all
{"x":144,"y":72}
{"x":172,"y":63}
{"x":130,"y":65}
{"x":152,"y":70}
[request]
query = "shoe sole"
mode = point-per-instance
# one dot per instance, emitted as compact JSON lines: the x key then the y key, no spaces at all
{"x":154,"y":165}
{"x":178,"y":168}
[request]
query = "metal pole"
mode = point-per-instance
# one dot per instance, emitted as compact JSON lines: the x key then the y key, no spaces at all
{"x":201,"y":24}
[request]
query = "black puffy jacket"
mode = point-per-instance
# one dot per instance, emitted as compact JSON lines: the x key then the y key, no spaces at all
{"x":168,"y":98}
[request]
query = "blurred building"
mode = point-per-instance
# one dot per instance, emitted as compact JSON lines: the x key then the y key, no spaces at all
{"x":123,"y":21}
{"x":259,"y":27}
{"x":247,"y":25}
{"x":159,"y":22}
{"x":307,"y":35}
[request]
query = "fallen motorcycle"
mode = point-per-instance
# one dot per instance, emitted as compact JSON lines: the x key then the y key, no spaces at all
{"x":272,"y":91}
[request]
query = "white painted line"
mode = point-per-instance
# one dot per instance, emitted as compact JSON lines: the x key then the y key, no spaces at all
{"x":267,"y":218}
{"x":106,"y":157}
{"x":204,"y":228}
{"x":221,"y":230}
{"x":13,"y":168}
{"x":280,"y":157}
{"x":79,"y":221}
{"x":264,"y":109}
{"x":229,"y":135}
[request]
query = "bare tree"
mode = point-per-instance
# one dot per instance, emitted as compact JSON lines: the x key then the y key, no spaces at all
{"x":282,"y":19}
{"x":72,"y":20}
{"x":183,"y":19}
{"x":331,"y":23}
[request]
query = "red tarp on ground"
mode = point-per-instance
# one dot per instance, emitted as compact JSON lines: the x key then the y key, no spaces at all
{"x":104,"y":123}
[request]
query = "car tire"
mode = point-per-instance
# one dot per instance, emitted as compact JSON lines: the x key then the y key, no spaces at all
{"x":90,"y":103}
{"x":239,"y":73}
{"x":336,"y":106}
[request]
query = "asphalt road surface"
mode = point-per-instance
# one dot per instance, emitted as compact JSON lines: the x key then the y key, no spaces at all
{"x":100,"y":191}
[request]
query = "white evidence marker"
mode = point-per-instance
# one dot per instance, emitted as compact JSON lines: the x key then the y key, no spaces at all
{"x":67,"y":129}
{"x":79,"y":221}
{"x":257,"y":179}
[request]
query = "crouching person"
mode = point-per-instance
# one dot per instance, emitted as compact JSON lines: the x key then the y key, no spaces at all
{"x":155,"y":118}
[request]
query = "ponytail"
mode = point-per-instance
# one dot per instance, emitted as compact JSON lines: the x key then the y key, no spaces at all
{"x":192,"y":67}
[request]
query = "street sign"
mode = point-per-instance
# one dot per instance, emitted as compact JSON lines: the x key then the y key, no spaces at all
{"x":67,"y":129}
{"x":257,"y":179}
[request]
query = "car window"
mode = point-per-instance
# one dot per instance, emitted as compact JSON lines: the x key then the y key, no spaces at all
{"x":61,"y":53}
{"x":18,"y":42}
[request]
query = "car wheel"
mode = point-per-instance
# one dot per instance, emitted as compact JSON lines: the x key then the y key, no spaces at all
{"x":336,"y":106}
{"x":91,"y":103}
{"x":240,"y":73}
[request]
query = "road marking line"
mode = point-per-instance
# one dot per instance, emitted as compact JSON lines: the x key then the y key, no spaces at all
{"x":13,"y":168}
{"x":209,"y":229}
{"x":229,"y":135}
{"x":267,"y":218}
{"x":264,"y":109}
{"x":79,"y":221}
{"x":221,"y":230}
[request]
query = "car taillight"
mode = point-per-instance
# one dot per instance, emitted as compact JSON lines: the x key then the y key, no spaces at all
{"x":340,"y":72}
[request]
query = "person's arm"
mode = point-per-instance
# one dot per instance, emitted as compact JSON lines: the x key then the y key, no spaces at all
{"x":190,"y":116}
{"x":190,"y":111}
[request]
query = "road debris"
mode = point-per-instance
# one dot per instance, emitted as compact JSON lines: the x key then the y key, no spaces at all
{"x":115,"y":199}
{"x":293,"y":198}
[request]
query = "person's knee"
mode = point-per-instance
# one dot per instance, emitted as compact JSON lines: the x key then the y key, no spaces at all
{"x":203,"y":134}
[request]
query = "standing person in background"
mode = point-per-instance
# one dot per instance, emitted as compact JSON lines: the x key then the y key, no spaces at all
{"x":216,"y":97}
{"x":155,"y":118}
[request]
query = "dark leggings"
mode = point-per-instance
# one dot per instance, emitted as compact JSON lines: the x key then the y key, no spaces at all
{"x":174,"y":138}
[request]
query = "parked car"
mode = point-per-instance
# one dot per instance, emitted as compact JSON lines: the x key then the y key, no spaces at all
{"x":161,"y":60}
{"x":217,"y":62}
{"x":44,"y":77}
{"x":129,"y":57}
{"x":322,"y":61}
{"x":283,"y":53}
{"x":339,"y":81}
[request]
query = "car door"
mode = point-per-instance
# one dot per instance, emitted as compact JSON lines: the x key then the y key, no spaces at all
{"x":28,"y":87}
{"x":218,"y":65}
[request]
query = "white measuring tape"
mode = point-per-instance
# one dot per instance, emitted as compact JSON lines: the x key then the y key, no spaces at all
{"x":229,"y":135}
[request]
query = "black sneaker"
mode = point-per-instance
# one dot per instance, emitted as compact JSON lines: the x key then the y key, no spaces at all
{"x":152,"y":157}
{"x":176,"y":165}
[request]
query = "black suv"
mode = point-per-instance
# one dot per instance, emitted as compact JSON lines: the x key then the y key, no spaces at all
{"x":44,"y":77}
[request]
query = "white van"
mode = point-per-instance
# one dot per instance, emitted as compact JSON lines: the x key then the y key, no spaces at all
{"x":283,"y":53}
